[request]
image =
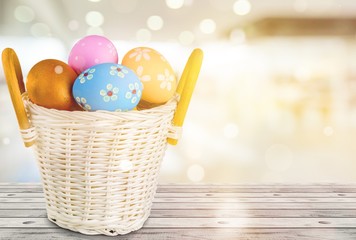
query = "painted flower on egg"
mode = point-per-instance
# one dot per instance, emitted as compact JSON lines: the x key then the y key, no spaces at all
{"x":166,"y":79}
{"x":143,"y":78}
{"x":86,"y":75}
{"x":156,"y":74}
{"x":134,"y":94}
{"x":112,"y":87}
{"x":83,"y":103}
{"x":109,"y":93}
{"x":141,"y":53}
{"x":118,"y":71}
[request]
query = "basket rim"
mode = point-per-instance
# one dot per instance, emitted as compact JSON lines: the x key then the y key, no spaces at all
{"x":163,"y":108}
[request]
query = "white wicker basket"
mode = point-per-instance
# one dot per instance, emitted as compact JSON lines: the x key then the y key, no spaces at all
{"x":99,"y":169}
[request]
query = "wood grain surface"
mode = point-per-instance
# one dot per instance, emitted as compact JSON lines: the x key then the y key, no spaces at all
{"x":202,"y":211}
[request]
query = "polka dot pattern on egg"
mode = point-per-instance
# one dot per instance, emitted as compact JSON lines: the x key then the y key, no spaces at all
{"x":58,"y":69}
{"x":49,"y":84}
{"x":92,"y":50}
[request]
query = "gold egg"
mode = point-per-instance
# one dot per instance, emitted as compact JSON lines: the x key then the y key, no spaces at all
{"x":49,"y":84}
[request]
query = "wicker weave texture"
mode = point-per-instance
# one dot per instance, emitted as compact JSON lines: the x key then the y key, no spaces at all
{"x":99,"y":169}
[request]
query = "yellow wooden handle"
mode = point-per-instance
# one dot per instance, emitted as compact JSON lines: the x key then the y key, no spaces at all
{"x":14,"y":80}
{"x":186,"y":87}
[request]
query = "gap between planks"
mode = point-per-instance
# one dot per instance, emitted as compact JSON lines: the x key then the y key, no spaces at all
{"x":204,"y":205}
{"x":210,"y":200}
{"x":206,"y":213}
{"x":208,"y":186}
{"x":162,"y":223}
{"x":189,"y":234}
{"x":214,"y":190}
{"x":208,"y":195}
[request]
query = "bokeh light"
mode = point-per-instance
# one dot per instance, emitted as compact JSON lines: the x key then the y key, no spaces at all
{"x":40,"y":30}
{"x":242,"y":7}
{"x":6,"y":141}
{"x":231,"y":130}
{"x":24,"y":14}
{"x":237,"y":36}
{"x":94,"y":19}
{"x":273,"y":102}
{"x":143,"y":35}
{"x":175,"y":4}
{"x":186,"y":38}
{"x":207,"y":26}
{"x":328,"y":131}
{"x":195,"y":173}
{"x":73,"y":25}
{"x":155,"y":23}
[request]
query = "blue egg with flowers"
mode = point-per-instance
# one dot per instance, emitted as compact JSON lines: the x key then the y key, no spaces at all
{"x":107,"y":86}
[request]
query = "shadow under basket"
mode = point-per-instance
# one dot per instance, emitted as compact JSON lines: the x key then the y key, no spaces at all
{"x":99,"y":169}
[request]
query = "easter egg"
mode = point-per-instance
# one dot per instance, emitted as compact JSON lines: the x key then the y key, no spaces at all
{"x":142,"y":105}
{"x":92,"y":50}
{"x":49,"y":84}
{"x":107,"y":86}
{"x":155,"y":73}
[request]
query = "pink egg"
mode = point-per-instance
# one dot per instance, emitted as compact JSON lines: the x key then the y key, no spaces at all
{"x":92,"y":50}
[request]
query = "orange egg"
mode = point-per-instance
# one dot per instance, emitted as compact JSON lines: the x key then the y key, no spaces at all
{"x":156,"y":74}
{"x":49,"y":84}
{"x":142,"y":105}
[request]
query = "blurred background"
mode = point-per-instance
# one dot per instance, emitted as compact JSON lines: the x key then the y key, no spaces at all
{"x":276,"y":97}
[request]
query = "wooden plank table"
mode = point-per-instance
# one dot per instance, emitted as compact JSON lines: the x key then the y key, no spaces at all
{"x":291,"y":212}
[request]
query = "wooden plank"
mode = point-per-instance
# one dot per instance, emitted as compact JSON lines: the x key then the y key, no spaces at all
{"x":22,"y":195}
{"x":250,"y":213}
{"x":212,"y":186}
{"x":205,"y":223}
{"x":254,"y":195}
{"x":251,"y":223}
{"x":220,"y":190}
{"x":188,"y":234}
{"x":263,"y":205}
{"x":260,"y":190}
{"x":22,"y":206}
{"x":23,"y":186}
{"x":23,"y":213}
{"x":21,"y":190}
{"x":217,"y":206}
{"x":211,"y":200}
{"x":257,"y":185}
{"x":246,"y":200}
{"x":22,"y":200}
{"x":208,"y":213}
{"x":20,"y":184}
{"x":209,"y":195}
{"x":205,"y":185}
{"x":232,"y":212}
